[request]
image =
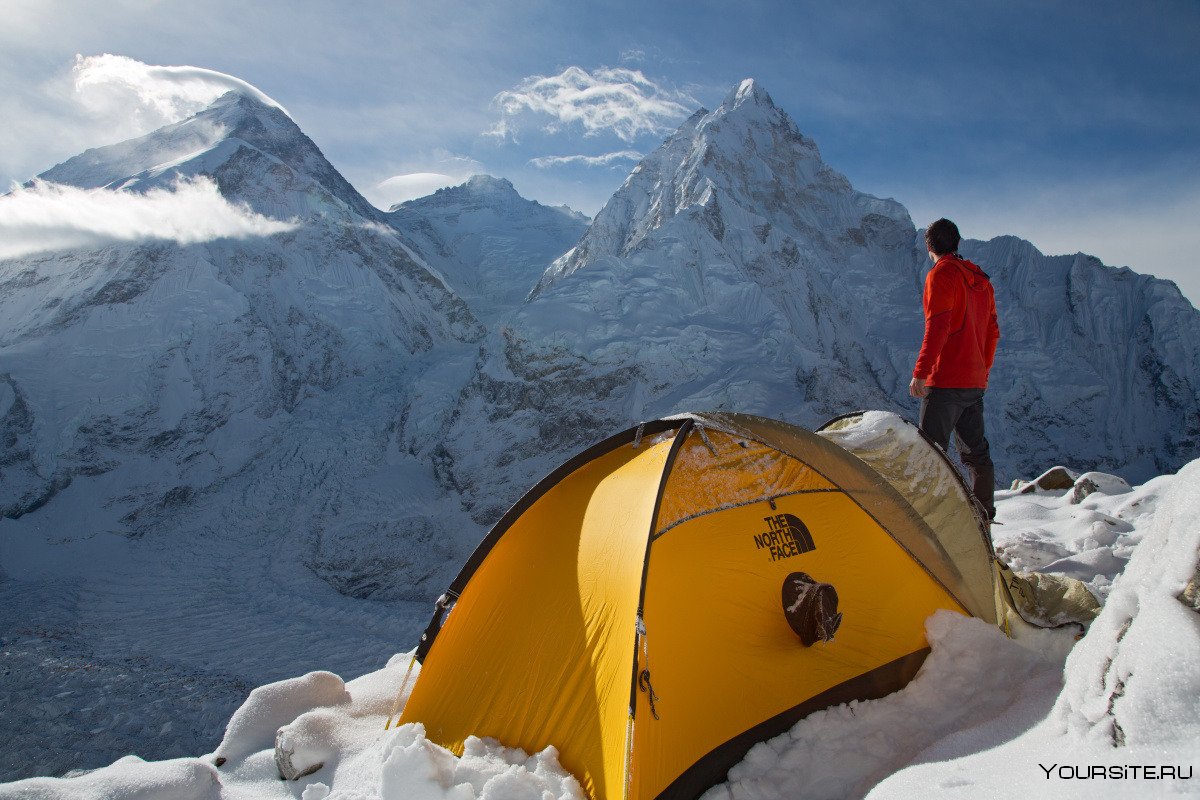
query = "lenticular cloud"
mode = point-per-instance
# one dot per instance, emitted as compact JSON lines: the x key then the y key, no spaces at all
{"x":47,"y":216}
{"x":400,"y":188}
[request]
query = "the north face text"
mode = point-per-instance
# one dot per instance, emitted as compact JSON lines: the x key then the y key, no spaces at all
{"x":786,"y":536}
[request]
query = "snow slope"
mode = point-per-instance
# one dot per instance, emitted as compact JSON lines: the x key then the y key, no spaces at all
{"x":986,"y":716}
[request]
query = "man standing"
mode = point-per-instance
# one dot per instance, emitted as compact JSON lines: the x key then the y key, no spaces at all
{"x":951,"y":373}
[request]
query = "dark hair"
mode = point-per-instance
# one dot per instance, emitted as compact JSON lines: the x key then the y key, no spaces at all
{"x":942,"y":237}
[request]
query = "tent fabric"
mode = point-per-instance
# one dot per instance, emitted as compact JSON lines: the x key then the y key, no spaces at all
{"x":922,"y":472}
{"x":1048,"y":601}
{"x":720,"y":651}
{"x":870,"y":490}
{"x":539,"y":648}
{"x":629,"y":610}
{"x":895,"y":449}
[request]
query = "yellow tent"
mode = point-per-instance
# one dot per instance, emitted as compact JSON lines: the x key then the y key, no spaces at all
{"x":688,"y":588}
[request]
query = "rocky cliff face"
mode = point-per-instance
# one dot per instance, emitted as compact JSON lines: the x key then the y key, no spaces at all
{"x":1097,"y":367}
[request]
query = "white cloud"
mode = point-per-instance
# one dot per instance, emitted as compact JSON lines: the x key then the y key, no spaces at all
{"x":48,"y":216}
{"x":545,"y":162}
{"x":400,"y":188}
{"x":98,"y":100}
{"x":108,"y":84}
{"x":616,"y":100}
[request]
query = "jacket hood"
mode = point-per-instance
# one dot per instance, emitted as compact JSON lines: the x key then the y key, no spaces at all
{"x":975,"y":277}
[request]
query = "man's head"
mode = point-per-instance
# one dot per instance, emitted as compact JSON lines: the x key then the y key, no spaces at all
{"x":941,"y":238}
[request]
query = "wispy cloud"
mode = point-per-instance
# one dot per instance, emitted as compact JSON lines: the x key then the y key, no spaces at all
{"x":610,"y":99}
{"x":545,"y":162}
{"x":48,"y":216}
{"x":97,"y":100}
{"x":161,"y":95}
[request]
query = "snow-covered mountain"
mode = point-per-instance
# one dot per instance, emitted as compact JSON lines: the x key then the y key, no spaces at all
{"x":200,"y":440}
{"x":161,"y":380}
{"x":281,"y":441}
{"x":491,"y":244}
{"x":735,"y":269}
{"x":1097,"y":366}
{"x":257,"y":154}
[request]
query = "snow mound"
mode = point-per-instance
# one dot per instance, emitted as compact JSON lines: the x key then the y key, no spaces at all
{"x":1127,"y":720}
{"x":130,"y":778}
{"x":973,"y":675}
{"x":253,"y":726}
{"x":1087,"y":535}
{"x":417,"y":769}
{"x":1149,"y":681}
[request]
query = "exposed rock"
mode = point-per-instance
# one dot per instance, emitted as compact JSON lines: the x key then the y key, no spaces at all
{"x":1083,"y":487}
{"x":1190,"y":596}
{"x":283,"y":761}
{"x":1053,"y":479}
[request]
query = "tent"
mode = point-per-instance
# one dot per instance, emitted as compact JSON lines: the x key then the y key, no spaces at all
{"x":692,"y":586}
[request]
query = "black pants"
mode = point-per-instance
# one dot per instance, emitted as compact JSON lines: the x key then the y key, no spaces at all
{"x":960,"y":411}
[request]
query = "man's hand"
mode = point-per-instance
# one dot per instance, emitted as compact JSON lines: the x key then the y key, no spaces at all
{"x":917,"y":387}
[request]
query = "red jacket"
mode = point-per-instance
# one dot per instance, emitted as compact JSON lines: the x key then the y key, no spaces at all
{"x":961,"y":331}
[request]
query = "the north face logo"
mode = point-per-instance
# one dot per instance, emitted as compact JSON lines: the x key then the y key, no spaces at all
{"x":786,"y":536}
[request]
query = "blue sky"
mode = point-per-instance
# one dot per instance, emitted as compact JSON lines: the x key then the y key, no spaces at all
{"x":1074,"y":125}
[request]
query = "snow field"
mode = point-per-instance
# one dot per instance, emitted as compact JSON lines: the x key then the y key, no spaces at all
{"x":985,"y":717}
{"x":1131,"y":687}
{"x":1091,"y":540}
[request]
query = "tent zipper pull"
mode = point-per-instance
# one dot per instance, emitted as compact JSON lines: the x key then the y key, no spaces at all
{"x":644,"y":676}
{"x":645,"y":685}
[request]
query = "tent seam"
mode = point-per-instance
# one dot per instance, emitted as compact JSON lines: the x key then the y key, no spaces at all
{"x":742,"y":504}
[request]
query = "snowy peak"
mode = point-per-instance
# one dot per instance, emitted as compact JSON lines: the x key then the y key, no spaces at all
{"x":479,"y":190}
{"x":748,"y":160}
{"x":751,"y":91}
{"x":253,"y":149}
{"x":749,"y":98}
{"x":489,"y":185}
{"x":477,"y":193}
{"x":490,"y":243}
